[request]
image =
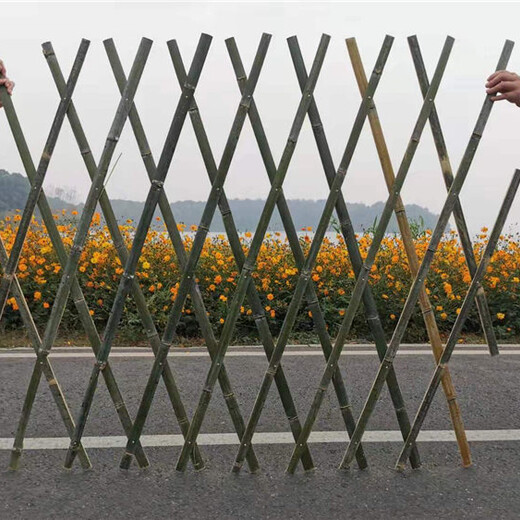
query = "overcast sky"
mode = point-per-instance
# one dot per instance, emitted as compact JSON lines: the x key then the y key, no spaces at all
{"x":479,"y":31}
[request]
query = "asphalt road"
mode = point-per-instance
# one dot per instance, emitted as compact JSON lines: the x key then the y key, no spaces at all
{"x":487,"y":390}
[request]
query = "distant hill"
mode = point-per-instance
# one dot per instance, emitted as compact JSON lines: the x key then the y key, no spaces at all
{"x":15,"y":187}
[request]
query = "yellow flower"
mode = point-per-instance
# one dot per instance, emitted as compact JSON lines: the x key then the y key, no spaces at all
{"x":392,"y":316}
{"x":500,"y":315}
{"x":270,"y":297}
{"x":444,"y":315}
{"x":146,"y":265}
{"x":37,"y":295}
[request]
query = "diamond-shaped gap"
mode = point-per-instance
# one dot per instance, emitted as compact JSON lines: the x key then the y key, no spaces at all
{"x":187,"y":187}
{"x":247,"y":170}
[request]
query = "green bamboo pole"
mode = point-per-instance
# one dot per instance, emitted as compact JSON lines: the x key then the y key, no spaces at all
{"x":347,"y":229}
{"x":411,"y":254}
{"x":238,"y":253}
{"x":460,"y":221}
{"x":171,"y":226}
{"x":36,"y":187}
{"x":118,"y":241}
{"x":254,"y":249}
{"x":362,"y":280}
{"x":293,"y":240}
{"x":461,"y":318}
{"x":68,"y":278}
{"x":197,"y":246}
{"x":437,"y":234}
{"x":139,"y":238}
{"x":48,"y":371}
{"x":306,"y":271}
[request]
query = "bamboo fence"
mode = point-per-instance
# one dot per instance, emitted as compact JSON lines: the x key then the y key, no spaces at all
{"x":304,"y":293}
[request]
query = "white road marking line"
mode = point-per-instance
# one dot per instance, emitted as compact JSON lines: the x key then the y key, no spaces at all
{"x":249,"y":353}
{"x":222,"y":439}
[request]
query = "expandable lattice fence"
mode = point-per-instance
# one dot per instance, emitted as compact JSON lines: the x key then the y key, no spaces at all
{"x":304,"y":291}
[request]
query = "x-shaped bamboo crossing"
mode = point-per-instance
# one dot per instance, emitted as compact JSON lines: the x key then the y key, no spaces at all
{"x":246,"y":264}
